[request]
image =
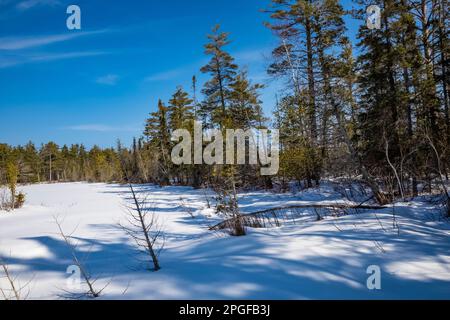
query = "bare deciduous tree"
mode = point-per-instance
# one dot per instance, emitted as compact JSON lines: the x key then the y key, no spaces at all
{"x":440,"y":174}
{"x":86,"y":277}
{"x":394,"y":169}
{"x":15,"y":290}
{"x":144,"y":229}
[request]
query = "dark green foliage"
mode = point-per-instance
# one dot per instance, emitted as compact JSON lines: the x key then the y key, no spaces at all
{"x":388,"y":106}
{"x":222,"y":71}
{"x":19,"y":200}
{"x":52,"y":163}
{"x":381,"y":114}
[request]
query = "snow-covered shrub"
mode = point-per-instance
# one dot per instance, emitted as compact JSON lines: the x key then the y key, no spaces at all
{"x":227,"y":205}
{"x":19,"y":200}
{"x":237,"y":228}
{"x":6,"y":202}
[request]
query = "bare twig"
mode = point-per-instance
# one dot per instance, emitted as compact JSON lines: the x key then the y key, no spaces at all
{"x":186,"y":208}
{"x":250,"y":219}
{"x":394,"y":169}
{"x":15,"y":290}
{"x":11,"y":283}
{"x":144,"y":229}
{"x":254,"y":219}
{"x":78,"y":263}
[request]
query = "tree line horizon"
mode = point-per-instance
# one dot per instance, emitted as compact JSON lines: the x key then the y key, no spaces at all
{"x":380,"y":116}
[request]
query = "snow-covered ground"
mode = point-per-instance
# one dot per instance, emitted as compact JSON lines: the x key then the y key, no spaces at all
{"x":311,"y":260}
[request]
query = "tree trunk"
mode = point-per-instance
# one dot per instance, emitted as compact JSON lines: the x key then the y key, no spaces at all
{"x":311,"y":82}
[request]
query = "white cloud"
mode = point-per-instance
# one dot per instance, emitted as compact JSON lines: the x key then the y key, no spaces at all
{"x":28,"y":4}
{"x":13,"y":50}
{"x":109,"y":79}
{"x":18,"y":43}
{"x":165,"y":75}
{"x":15,"y":60}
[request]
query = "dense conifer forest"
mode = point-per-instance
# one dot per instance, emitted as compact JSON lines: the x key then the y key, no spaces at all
{"x":339,"y":189}
{"x":375,"y":110}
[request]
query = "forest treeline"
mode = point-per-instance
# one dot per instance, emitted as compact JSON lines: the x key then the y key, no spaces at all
{"x":375,"y":109}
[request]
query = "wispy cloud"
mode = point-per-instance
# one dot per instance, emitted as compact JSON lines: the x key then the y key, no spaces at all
{"x":28,"y":4}
{"x":18,"y":43}
{"x":15,"y":60}
{"x":108,"y":80}
{"x":101,"y":128}
{"x":4,"y":2}
{"x":165,"y":75}
{"x":17,"y":50}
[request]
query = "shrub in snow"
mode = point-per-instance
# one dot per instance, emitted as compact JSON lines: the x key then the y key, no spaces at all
{"x":12,"y":172}
{"x":6,"y":202}
{"x":19,"y":200}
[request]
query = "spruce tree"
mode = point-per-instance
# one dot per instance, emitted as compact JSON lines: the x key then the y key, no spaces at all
{"x":158,"y":137}
{"x":222,"y":71}
{"x":12,"y":173}
{"x":180,"y":110}
{"x":245,"y":105}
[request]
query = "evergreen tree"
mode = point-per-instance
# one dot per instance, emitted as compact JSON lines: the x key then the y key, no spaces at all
{"x":158,"y":137}
{"x":32,"y":163}
{"x":181,"y":116}
{"x":50,"y":154}
{"x":222,"y":70}
{"x":12,"y":173}
{"x":245,"y":105}
{"x":180,"y":110}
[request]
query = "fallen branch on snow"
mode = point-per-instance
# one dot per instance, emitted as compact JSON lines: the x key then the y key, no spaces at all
{"x":261,"y":219}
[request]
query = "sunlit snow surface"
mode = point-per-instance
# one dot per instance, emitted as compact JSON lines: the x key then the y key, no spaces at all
{"x":306,"y":260}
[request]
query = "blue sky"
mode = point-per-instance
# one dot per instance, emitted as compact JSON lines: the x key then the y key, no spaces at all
{"x":98,"y":84}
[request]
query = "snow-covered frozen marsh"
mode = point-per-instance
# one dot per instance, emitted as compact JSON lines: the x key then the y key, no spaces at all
{"x":325,"y":259}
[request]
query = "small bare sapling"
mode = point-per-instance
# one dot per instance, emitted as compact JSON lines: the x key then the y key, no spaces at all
{"x":91,"y":291}
{"x":144,"y":229}
{"x":12,"y":290}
